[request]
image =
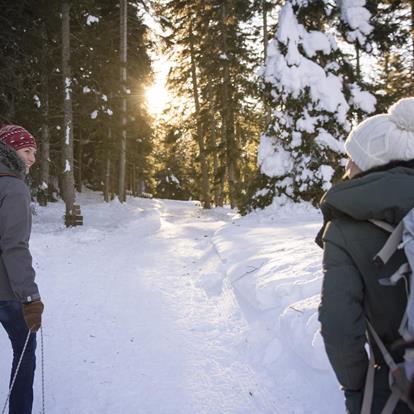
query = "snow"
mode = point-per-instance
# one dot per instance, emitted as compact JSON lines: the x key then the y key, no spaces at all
{"x":159,"y":307}
{"x":37,"y":101}
{"x":311,"y":98}
{"x":68,"y":83}
{"x":67,"y":135}
{"x":326,"y":172}
{"x":357,"y":16}
{"x":273,"y":160}
{"x":91,"y":19}
{"x":316,"y":41}
{"x":174,"y":179}
{"x":362,"y":99}
{"x":94,"y":114}
{"x":325,"y":139}
{"x":67,"y":166}
{"x":307,"y":122}
{"x":295,"y":72}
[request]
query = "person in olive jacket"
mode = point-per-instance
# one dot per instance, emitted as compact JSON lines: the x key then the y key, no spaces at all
{"x":380,"y":186}
{"x":20,"y":304}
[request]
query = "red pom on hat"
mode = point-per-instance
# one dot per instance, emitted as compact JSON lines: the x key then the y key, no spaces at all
{"x":17,"y":137}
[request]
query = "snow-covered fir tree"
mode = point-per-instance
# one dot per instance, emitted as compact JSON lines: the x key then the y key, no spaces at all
{"x":314,"y":95}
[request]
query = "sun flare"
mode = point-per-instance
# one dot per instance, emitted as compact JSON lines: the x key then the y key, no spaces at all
{"x":157,"y":97}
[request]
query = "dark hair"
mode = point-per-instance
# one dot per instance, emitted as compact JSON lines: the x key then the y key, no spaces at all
{"x":386,"y":167}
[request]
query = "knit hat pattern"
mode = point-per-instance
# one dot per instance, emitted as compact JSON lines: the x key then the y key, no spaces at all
{"x":383,"y":138}
{"x":17,"y":137}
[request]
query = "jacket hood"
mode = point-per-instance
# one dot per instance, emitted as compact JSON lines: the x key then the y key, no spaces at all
{"x":10,"y":162}
{"x":385,"y":195}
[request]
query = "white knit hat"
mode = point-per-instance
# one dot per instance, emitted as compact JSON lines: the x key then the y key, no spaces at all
{"x":383,"y":138}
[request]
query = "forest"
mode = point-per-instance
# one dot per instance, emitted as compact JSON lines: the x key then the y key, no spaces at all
{"x":260,"y":95}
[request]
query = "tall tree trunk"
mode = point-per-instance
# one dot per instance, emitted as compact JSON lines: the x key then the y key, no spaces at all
{"x":107,"y":180}
{"x":387,"y":67}
{"x":123,"y":51}
{"x":43,"y":192}
{"x":68,"y":182}
{"x":213,"y":147}
{"x":134,"y":180}
{"x":412,"y":34}
{"x":222,"y":166}
{"x":205,"y":188}
{"x":358,"y":74}
{"x":79,"y":169}
{"x":358,"y":62}
{"x":11,"y":109}
{"x":265,"y":31}
{"x":228,"y":112}
{"x":267,"y":117}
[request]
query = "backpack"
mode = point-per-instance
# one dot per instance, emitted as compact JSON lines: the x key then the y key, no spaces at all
{"x":401,"y":375}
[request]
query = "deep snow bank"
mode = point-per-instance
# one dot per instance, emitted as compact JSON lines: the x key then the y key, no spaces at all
{"x":274,"y":267}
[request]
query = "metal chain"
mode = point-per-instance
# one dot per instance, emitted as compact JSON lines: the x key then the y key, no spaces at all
{"x":18,"y":367}
{"x":16,"y":372}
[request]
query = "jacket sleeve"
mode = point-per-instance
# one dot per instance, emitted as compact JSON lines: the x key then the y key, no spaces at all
{"x":15,"y":228}
{"x":341,"y":314}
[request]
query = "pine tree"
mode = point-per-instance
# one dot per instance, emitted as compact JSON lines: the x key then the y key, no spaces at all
{"x":98,"y":97}
{"x":394,"y":49}
{"x":314,"y":95}
{"x":31,"y":89}
{"x":219,"y":49}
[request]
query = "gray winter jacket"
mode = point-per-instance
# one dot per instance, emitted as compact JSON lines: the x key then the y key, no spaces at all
{"x":351,"y":290}
{"x":16,"y":271}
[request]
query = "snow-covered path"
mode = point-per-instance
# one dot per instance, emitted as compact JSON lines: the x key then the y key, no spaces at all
{"x":159,"y":307}
{"x":131,"y":325}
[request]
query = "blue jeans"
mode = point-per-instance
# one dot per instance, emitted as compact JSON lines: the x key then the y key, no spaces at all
{"x":11,"y":317}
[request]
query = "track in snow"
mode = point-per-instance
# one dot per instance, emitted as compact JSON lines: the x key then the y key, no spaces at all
{"x":133,"y":322}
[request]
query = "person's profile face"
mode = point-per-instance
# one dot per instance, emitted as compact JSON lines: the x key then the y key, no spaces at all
{"x":351,"y":169}
{"x":28,"y":155}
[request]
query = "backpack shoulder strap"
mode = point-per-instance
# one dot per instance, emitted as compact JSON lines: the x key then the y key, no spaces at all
{"x":392,"y":243}
{"x":399,"y":386}
{"x":383,"y":225}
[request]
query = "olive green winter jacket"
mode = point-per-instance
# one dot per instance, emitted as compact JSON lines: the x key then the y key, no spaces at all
{"x":351,"y":291}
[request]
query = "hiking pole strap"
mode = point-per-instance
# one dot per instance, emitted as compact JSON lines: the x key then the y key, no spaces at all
{"x":387,"y":356}
{"x":369,"y":383}
{"x":394,"y":397}
{"x":392,"y":243}
{"x":391,"y":404}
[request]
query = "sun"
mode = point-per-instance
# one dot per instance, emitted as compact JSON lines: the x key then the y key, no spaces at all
{"x":157,"y":97}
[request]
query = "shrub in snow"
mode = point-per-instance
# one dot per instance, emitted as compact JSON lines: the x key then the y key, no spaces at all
{"x":313,"y":95}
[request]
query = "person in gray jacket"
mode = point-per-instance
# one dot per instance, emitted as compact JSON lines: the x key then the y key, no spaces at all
{"x":380,"y":186}
{"x":20,"y":303}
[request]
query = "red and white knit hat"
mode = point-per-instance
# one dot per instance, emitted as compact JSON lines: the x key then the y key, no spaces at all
{"x":17,"y":137}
